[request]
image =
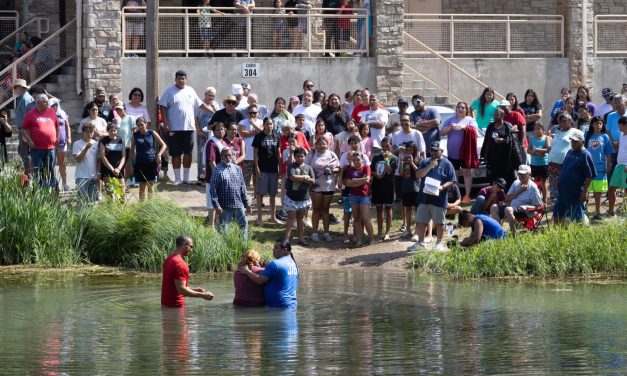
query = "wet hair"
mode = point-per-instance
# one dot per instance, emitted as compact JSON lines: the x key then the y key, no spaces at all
{"x":482,"y":100}
{"x":182,"y":239}
{"x":251,"y":257}
{"x":286,"y":246}
{"x":136,"y":90}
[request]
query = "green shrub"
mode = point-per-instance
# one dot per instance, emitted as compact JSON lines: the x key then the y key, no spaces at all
{"x":560,"y":251}
{"x":36,"y":226}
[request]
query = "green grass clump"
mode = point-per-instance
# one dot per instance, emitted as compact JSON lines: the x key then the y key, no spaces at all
{"x":35,"y":226}
{"x":574,"y":250}
{"x":141,"y":236}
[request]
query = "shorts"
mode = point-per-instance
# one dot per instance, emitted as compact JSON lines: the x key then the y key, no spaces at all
{"x":346,"y":204}
{"x":291,"y":205}
{"x":598,"y":186}
{"x":571,"y":210}
{"x":541,"y":172}
{"x":501,"y":208}
{"x":61,"y":149}
{"x":619,"y":177}
{"x":205,"y":34}
{"x":458,"y":164}
{"x":427,"y":212}
{"x":409,"y":199}
{"x":145,"y":172}
{"x":135,"y":28}
{"x":208,"y":196}
{"x":359,"y":200}
{"x":181,"y":142}
{"x":325,"y":193}
{"x":268,"y":184}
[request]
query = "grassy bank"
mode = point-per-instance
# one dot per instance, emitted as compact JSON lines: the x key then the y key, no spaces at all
{"x":561,"y":251}
{"x":37,"y":228}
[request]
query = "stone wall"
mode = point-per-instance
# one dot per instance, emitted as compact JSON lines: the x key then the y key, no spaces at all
{"x":615,"y":7}
{"x":102,"y":47}
{"x":499,"y":6}
{"x":389,"y":49}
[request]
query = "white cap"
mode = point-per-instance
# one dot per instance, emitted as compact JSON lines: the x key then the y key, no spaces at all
{"x":236,"y":89}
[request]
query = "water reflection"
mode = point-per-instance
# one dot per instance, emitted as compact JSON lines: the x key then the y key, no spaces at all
{"x":357,"y":322}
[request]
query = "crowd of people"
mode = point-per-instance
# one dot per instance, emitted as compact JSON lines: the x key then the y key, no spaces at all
{"x":303,"y":150}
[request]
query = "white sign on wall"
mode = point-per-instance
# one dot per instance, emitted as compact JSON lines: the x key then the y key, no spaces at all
{"x":250,"y":70}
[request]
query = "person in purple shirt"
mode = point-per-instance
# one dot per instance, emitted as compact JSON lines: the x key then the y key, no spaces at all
{"x":248,"y":293}
{"x":280,"y":277}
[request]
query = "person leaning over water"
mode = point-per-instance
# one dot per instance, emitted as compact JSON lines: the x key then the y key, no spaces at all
{"x":175,"y":282}
{"x":280,"y":277}
{"x":483,"y":228}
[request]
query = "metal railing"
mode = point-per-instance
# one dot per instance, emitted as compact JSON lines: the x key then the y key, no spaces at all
{"x":610,"y":36}
{"x":40,"y":61}
{"x":450,"y":66}
{"x":9,"y":22}
{"x":485,"y":35}
{"x":34,"y":27}
{"x":183,"y":31}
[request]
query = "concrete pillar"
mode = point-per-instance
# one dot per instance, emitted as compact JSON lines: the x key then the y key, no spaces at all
{"x":388,"y":18}
{"x":578,"y":39}
{"x":102,"y":47}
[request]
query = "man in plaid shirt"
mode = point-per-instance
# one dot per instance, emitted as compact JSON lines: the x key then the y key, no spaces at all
{"x":228,"y":192}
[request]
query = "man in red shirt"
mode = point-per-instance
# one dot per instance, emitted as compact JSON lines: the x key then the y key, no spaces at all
{"x":364,"y":105}
{"x":174,"y":285}
{"x":40,"y":129}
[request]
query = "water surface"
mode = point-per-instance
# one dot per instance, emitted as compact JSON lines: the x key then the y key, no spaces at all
{"x":349,"y":322}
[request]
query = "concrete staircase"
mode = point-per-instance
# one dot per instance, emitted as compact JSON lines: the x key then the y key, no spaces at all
{"x":414,"y":84}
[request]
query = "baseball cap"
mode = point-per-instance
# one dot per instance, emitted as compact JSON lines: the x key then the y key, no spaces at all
{"x":246,"y":85}
{"x":402,"y":101}
{"x":524,"y":170}
{"x":505,"y":103}
{"x":501,"y":182}
{"x":435,"y":145}
{"x":236,"y":89}
{"x":577,"y":135}
{"x":101,"y":91}
{"x":607,"y":92}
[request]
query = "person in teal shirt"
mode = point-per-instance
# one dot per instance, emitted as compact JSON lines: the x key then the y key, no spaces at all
{"x":598,"y":143}
{"x":483,"y":108}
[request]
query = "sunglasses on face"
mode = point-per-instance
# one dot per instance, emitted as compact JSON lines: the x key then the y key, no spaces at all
{"x":252,"y":113}
{"x":229,"y":102}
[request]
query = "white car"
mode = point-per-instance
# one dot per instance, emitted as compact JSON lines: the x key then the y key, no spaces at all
{"x":479,"y":175}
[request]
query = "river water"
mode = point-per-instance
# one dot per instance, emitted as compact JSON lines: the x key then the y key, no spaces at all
{"x":349,"y":322}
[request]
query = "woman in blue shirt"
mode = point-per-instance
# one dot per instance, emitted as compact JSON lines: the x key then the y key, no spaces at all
{"x":280,"y":277}
{"x":600,"y":148}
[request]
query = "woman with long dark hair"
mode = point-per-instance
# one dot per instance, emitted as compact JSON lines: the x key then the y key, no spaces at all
{"x":532,"y":109}
{"x":600,"y":148}
{"x":484,"y":107}
{"x":583,"y":99}
{"x":497,"y":150}
{"x":333,"y":116}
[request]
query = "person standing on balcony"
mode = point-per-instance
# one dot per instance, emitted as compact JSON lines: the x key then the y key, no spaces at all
{"x":243,"y":7}
{"x":134,"y":24}
{"x":20,"y":89}
{"x":330,"y":24}
{"x":177,"y":106}
{"x":483,"y":108}
{"x":204,"y":24}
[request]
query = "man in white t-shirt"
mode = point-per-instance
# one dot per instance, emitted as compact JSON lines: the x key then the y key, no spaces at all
{"x":605,"y":107}
{"x":85,"y":152}
{"x":309,"y":110}
{"x":394,"y":120}
{"x":178,"y":108}
{"x":523,"y":197}
{"x":377,"y":119}
{"x":248,"y":129}
{"x":404,"y":135}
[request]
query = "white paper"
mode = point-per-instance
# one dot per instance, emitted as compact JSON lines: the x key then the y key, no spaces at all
{"x":432,"y":186}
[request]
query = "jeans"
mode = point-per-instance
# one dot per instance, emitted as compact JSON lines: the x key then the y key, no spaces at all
{"x":477,"y":207}
{"x":43,"y":166}
{"x":87,"y":189}
{"x":200,"y":150}
{"x":239,"y":214}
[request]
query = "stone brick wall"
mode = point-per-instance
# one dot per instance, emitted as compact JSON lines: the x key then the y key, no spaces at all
{"x":616,"y":7}
{"x":499,"y":6}
{"x":389,"y":49}
{"x":102,"y":48}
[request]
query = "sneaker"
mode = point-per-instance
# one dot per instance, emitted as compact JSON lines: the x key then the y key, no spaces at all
{"x":597,"y":217}
{"x":315,"y":237}
{"x":328,"y":237}
{"x":415,"y":238}
{"x":440,"y":247}
{"x":66,"y":187}
{"x":176,"y":182}
{"x":465,"y":200}
{"x":610,"y":214}
{"x":386,"y":237}
{"x":403,"y":228}
{"x":416,"y":247}
{"x":333,"y":219}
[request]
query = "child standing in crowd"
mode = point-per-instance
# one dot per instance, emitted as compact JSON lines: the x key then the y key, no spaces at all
{"x":85,"y":152}
{"x":300,"y":177}
{"x":366,"y":141}
{"x":539,"y":148}
{"x":112,"y":157}
{"x":300,"y":126}
{"x":287,"y":156}
{"x":358,"y":179}
{"x":619,"y":176}
{"x":384,"y":165}
{"x":346,"y":162}
{"x":600,"y":148}
{"x":410,"y":185}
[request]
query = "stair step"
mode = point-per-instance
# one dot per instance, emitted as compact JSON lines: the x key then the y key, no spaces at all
{"x":70,"y":70}
{"x":64,"y":79}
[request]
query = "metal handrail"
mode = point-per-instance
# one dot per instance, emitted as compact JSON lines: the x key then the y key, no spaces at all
{"x":22,"y":59}
{"x":507,"y":19}
{"x":258,"y":12}
{"x":40,"y":30}
{"x":609,"y":20}
{"x":424,"y":77}
{"x":452,"y":65}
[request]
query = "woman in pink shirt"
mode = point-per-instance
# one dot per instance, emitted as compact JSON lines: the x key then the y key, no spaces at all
{"x":247,"y":292}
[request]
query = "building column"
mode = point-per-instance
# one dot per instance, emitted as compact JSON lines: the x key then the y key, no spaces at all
{"x":102,"y":47}
{"x":388,"y":18}
{"x":578,"y":39}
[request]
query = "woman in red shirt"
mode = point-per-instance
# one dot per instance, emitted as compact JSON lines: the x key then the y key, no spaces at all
{"x":357,"y":179}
